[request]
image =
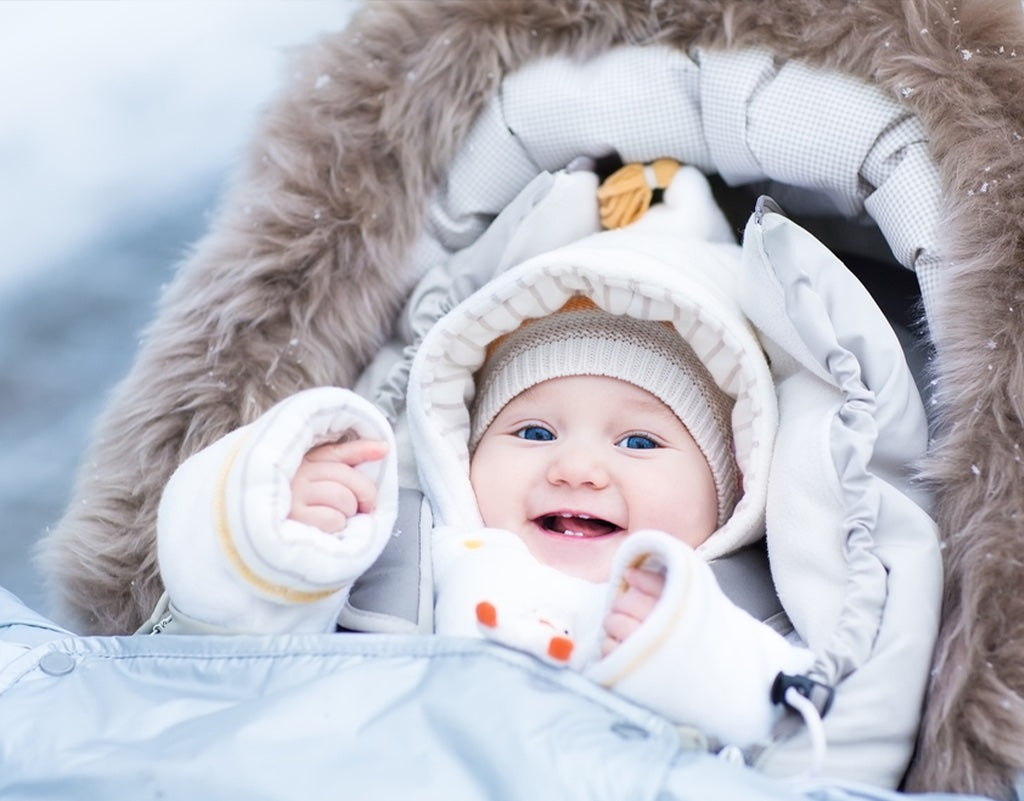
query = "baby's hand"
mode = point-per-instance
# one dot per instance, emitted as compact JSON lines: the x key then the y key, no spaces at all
{"x":327,"y":489}
{"x":631,"y":607}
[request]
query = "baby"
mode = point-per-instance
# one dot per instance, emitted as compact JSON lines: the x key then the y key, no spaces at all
{"x":587,"y":427}
{"x":575,"y":450}
{"x":602,"y":444}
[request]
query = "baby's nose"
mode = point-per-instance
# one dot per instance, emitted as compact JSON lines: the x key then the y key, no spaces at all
{"x":578,"y":466}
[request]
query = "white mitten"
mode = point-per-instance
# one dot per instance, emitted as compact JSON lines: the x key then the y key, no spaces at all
{"x":487,"y":583}
{"x":230,"y":557}
{"x":698,"y":659}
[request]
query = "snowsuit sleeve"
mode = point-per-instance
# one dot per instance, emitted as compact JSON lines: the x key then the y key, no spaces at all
{"x":230,"y":558}
{"x":698,"y":658}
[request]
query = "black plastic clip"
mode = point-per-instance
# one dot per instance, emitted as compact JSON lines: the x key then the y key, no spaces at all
{"x":819,"y":694}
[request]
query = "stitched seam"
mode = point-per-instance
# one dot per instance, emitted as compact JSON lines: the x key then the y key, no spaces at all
{"x":227,"y":543}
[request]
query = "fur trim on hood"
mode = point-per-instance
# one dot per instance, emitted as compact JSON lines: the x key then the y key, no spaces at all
{"x":304,"y":270}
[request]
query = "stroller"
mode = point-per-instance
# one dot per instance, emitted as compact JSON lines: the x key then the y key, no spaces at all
{"x":399,"y":144}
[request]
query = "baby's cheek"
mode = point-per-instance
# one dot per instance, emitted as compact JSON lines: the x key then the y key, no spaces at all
{"x":691,"y":523}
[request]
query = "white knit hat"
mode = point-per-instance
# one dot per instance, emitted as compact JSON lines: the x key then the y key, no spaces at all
{"x":581,"y":339}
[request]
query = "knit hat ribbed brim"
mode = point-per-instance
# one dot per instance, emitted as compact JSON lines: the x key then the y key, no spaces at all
{"x":648,"y":354}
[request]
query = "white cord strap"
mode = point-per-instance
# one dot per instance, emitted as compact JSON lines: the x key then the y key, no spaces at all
{"x":811,"y":699}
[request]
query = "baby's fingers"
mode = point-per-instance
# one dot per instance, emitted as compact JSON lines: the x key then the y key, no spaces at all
{"x":617,"y":628}
{"x":352,"y":452}
{"x":326,"y":518}
{"x":642,"y":592}
{"x":631,"y":607}
{"x":341,"y":486}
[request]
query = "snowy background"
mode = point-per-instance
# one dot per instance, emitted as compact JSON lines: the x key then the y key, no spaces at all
{"x":119,"y":121}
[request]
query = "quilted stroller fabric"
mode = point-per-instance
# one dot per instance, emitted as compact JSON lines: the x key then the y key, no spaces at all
{"x":363,"y":176}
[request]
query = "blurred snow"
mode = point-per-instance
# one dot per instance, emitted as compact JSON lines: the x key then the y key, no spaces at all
{"x":119,"y":121}
{"x":111,"y":108}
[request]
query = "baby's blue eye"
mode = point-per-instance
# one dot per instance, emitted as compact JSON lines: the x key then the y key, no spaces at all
{"x":536,"y":433}
{"x":637,"y":441}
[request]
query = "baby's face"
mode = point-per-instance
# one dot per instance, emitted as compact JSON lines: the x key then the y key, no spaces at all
{"x":574,"y":465}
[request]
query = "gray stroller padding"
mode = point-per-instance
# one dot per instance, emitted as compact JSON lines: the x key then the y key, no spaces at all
{"x":397,"y":593}
{"x":739,"y":114}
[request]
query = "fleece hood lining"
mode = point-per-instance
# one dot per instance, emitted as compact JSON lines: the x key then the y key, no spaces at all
{"x":441,"y":382}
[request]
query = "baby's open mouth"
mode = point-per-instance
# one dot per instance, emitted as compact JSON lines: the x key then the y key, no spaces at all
{"x":576,"y":525}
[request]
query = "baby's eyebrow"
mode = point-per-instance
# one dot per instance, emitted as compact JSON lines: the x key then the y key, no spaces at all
{"x":649,"y":404}
{"x":529,"y":392}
